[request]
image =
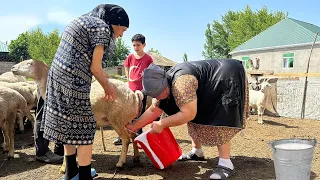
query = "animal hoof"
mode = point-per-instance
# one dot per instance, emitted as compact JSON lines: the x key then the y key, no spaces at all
{"x":62,"y":170}
{"x":10,"y":157}
{"x":119,"y":165}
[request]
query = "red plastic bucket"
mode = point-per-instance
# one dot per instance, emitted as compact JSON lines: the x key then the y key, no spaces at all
{"x":162,"y":149}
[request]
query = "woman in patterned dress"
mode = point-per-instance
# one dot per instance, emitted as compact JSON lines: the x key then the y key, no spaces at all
{"x":211,"y":96}
{"x":86,"y":44}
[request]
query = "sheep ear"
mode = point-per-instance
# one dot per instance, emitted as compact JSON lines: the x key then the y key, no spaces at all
{"x":265,"y":80}
{"x":140,"y":94}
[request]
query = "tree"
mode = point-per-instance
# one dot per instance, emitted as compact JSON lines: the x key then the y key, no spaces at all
{"x":19,"y":47}
{"x":43,"y":47}
{"x":154,"y":51}
{"x":185,"y":57}
{"x":121,"y":53}
{"x":36,"y":45}
{"x":235,"y":29}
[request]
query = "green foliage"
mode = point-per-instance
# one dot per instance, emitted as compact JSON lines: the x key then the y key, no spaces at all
{"x":36,"y":45}
{"x":236,"y":28}
{"x":185,"y":57}
{"x":19,"y":47}
{"x":154,"y":51}
{"x":121,"y":53}
{"x":43,"y":46}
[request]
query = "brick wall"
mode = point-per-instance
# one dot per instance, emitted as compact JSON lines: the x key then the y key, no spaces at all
{"x":6,"y":66}
{"x":289,"y":99}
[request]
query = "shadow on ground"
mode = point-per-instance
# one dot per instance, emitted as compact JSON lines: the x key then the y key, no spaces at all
{"x":273,"y":123}
{"x":246,"y":168}
{"x":22,"y":161}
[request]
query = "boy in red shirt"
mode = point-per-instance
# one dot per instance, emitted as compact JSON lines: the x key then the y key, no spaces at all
{"x":134,"y":65}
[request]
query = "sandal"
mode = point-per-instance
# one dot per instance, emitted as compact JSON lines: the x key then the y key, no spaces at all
{"x":223,"y":172}
{"x":190,"y":156}
{"x":93,"y":174}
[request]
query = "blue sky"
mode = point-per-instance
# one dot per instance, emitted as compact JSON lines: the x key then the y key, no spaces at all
{"x":170,"y":26}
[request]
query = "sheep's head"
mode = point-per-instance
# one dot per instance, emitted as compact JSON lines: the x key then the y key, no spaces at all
{"x":29,"y":68}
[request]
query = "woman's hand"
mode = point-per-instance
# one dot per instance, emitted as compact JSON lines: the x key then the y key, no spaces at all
{"x":130,"y":128}
{"x":157,"y":128}
{"x":109,"y":93}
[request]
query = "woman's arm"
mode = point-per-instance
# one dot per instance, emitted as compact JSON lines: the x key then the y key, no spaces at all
{"x":187,"y":113}
{"x":98,"y":41}
{"x":97,"y":71}
{"x":151,"y":114}
{"x":184,"y":91}
{"x":96,"y":66}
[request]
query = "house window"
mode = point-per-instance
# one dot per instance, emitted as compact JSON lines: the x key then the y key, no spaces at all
{"x":245,"y":62}
{"x":288,"y":60}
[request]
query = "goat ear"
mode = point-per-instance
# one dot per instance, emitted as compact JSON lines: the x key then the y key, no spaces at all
{"x":266,"y":80}
{"x":261,"y":80}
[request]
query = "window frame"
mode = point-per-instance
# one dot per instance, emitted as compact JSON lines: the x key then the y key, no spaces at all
{"x":287,"y":60}
{"x":245,"y":59}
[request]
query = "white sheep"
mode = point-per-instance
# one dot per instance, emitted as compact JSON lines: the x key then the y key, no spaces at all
{"x":258,"y":99}
{"x":10,"y":77}
{"x":118,"y":113}
{"x":26,"y":90}
{"x":10,"y":102}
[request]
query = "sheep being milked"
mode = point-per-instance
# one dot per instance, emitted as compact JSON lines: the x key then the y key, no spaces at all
{"x":105,"y":112}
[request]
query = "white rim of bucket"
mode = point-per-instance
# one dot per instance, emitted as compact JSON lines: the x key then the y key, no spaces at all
{"x":273,"y":143}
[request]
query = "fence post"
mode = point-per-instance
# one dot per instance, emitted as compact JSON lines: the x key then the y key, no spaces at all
{"x":303,"y":108}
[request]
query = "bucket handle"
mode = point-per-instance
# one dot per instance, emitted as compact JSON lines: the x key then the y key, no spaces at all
{"x":270,"y":145}
{"x":315,"y":141}
{"x":138,"y":145}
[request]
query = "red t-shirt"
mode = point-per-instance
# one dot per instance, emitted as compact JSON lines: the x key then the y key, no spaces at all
{"x":136,"y":68}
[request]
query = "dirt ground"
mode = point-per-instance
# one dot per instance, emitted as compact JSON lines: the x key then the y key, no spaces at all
{"x":251,"y":155}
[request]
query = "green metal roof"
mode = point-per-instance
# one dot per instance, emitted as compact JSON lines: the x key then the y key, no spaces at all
{"x":3,"y":47}
{"x":286,"y":32}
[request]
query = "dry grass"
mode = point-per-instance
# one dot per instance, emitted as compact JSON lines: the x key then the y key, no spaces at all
{"x":252,"y":156}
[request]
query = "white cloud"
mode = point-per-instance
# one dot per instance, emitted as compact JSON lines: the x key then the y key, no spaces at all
{"x":60,"y":17}
{"x":13,"y":25}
